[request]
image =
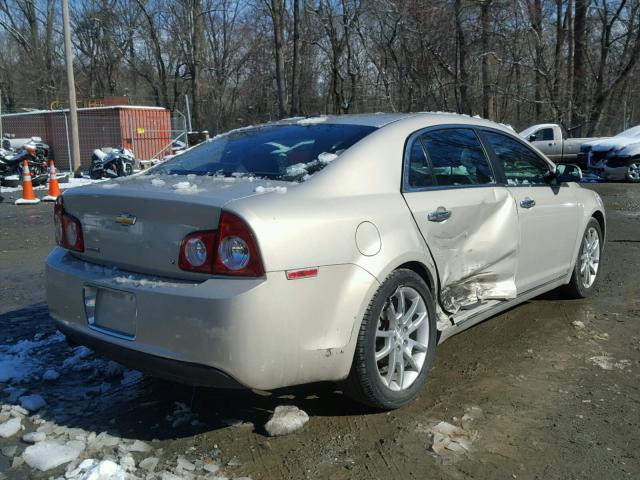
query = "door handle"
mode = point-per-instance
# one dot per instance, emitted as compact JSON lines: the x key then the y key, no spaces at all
{"x":439,"y":215}
{"x":527,"y":202}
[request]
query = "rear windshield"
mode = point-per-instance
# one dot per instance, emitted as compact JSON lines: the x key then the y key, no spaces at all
{"x":278,"y":152}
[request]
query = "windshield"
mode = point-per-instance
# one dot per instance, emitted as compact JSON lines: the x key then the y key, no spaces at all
{"x":631,"y":132}
{"x":277,"y":152}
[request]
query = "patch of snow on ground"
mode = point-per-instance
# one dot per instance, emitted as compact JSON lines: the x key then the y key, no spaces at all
{"x":286,"y":419}
{"x":455,"y":439}
{"x":10,"y":427}
{"x":71,"y":183}
{"x":607,"y":362}
{"x":18,"y":362}
{"x":50,"y":454}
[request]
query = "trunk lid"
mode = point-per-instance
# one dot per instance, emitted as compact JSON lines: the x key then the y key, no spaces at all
{"x":137,"y":224}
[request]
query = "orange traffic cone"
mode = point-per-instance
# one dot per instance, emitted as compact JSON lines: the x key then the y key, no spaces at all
{"x":28,"y":196}
{"x":54,"y":188}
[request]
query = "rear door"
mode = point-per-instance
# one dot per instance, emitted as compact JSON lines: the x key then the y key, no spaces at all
{"x":547,"y":214}
{"x":468,"y":221}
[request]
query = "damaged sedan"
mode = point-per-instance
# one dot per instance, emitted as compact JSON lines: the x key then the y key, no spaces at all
{"x":338,"y":249}
{"x":615,"y":158}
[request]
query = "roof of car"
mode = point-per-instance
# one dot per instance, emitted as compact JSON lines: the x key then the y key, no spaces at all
{"x":380,"y":119}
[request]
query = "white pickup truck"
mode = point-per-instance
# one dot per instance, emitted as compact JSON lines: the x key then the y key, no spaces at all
{"x":548,"y":138}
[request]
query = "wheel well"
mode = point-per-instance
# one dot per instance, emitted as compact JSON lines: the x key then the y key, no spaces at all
{"x":600,"y":218}
{"x":421,"y":270}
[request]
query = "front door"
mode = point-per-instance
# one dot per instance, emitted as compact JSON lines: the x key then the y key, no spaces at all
{"x":548,"y":215}
{"x":468,"y":221}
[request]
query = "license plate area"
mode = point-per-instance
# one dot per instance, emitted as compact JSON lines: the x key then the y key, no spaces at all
{"x":112,"y":312}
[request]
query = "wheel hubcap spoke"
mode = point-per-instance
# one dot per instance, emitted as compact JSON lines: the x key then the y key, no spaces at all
{"x":402,"y":338}
{"x":590,"y":257}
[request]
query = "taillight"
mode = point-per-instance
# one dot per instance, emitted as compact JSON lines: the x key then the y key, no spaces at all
{"x":230,"y":250}
{"x":197,"y":252}
{"x":68,"y":228}
{"x":237,"y":249}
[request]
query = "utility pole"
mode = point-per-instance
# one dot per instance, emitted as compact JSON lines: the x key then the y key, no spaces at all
{"x":73,"y":108}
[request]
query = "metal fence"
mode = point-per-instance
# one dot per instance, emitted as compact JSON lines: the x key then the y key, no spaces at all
{"x":150,"y":132}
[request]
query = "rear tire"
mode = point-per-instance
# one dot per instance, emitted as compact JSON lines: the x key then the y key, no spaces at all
{"x":633,"y":171}
{"x":396,"y":343}
{"x":586,"y":271}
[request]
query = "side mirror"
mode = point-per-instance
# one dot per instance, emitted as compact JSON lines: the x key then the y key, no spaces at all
{"x":568,"y":173}
{"x":532,"y":137}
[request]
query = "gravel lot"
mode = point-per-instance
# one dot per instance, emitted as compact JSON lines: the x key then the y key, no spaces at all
{"x":548,"y":390}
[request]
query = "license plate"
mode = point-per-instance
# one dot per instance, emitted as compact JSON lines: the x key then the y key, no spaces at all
{"x":109,"y":311}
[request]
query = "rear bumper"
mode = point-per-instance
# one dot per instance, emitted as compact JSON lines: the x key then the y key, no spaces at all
{"x":166,"y":368}
{"x":259,"y":333}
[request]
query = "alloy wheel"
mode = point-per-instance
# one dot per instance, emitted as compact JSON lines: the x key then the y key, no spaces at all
{"x":402,"y":338}
{"x":590,"y":257}
{"x":633,"y":172}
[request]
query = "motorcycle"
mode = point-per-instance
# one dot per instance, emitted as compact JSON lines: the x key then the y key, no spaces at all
{"x":113,"y":163}
{"x":36,"y":154}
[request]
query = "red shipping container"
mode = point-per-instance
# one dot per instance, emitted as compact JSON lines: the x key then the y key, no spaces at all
{"x":144,"y":130}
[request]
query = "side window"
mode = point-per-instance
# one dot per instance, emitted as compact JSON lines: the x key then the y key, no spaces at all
{"x":457,"y":157}
{"x":545,"y":134}
{"x":521,"y":165}
{"x":419,"y":168}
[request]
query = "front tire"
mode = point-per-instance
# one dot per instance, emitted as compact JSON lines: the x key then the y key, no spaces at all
{"x":633,"y":171}
{"x":587,"y":268}
{"x":396,"y":343}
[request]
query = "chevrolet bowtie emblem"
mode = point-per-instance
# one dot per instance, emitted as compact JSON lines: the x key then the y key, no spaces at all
{"x":126,"y":219}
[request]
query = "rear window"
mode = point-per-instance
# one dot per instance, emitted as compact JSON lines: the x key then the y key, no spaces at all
{"x":278,"y":152}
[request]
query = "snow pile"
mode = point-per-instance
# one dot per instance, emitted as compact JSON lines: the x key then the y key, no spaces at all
{"x":71,"y":183}
{"x":19,"y":362}
{"x":263,"y":189}
{"x":606,"y":362}
{"x":313,"y":120}
{"x":158,"y":182}
{"x":326,"y":157}
{"x":91,"y":469}
{"x":110,"y":185}
{"x":51,"y":454}
{"x":10,"y":427}
{"x":286,"y":419}
{"x":139,"y":281}
{"x":187,"y":188}
{"x":34,"y":437}
{"x":455,"y":439}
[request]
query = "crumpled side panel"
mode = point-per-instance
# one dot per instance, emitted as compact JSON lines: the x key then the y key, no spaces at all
{"x":477,"y":254}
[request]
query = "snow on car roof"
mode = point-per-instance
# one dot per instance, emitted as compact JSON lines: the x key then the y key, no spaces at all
{"x":380,"y":119}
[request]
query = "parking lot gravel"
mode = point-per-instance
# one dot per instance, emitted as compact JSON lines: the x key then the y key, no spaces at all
{"x":547,"y":390}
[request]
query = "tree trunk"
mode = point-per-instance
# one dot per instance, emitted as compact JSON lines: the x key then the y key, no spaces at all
{"x":277,"y":17}
{"x":484,"y":39}
{"x":579,"y":66}
{"x":295,"y":70}
{"x":462,"y":75}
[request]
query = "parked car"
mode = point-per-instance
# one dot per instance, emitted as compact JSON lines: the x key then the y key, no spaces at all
{"x":549,"y":139}
{"x":615,"y":158}
{"x":323,"y":249}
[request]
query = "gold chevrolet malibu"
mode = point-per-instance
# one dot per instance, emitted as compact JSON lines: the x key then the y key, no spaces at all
{"x":332,"y":248}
